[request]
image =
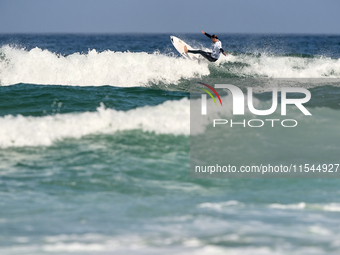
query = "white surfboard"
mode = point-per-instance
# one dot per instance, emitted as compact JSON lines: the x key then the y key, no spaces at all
{"x":179,"y":45}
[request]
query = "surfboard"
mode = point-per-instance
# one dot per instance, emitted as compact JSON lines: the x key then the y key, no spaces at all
{"x":179,"y":46}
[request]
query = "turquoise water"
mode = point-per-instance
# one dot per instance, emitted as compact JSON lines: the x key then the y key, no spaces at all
{"x":95,"y":149}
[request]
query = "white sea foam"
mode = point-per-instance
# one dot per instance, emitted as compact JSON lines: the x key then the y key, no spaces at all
{"x":297,"y":206}
{"x":123,"y":69}
{"x":269,"y":65}
{"x":170,"y":117}
{"x":220,"y":206}
{"x":330,"y":207}
{"x":127,"y":69}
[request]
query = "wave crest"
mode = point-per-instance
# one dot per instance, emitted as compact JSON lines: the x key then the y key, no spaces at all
{"x":170,"y":117}
{"x":121,"y":69}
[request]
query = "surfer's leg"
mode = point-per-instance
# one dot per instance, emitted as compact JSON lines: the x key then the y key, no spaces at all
{"x":196,"y":51}
{"x":206,"y":55}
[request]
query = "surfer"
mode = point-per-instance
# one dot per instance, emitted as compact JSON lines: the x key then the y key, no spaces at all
{"x":216,"y":51}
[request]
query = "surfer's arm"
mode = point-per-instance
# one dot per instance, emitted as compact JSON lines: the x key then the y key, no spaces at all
{"x":221,"y":50}
{"x":206,"y":34}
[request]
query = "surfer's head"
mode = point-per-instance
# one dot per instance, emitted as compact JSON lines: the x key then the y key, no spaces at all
{"x":214,"y":38}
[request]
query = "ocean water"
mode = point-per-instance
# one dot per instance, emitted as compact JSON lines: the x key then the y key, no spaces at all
{"x":95,"y":148}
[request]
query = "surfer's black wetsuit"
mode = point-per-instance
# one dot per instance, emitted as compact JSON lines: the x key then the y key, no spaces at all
{"x":205,"y":54}
{"x":208,"y":55}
